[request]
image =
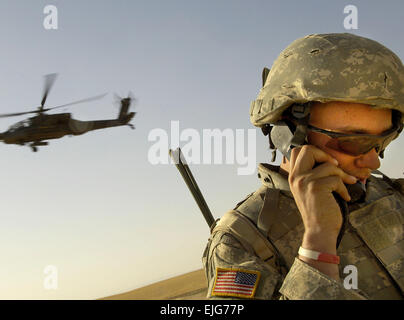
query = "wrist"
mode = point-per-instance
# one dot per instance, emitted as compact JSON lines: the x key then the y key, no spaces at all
{"x":321,"y":242}
{"x":324,"y":244}
{"x":318,"y":256}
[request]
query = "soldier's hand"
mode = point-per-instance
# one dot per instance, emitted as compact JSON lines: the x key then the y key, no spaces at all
{"x":313,"y":176}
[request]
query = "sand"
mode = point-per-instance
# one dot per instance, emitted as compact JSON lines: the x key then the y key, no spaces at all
{"x":189,"y":286}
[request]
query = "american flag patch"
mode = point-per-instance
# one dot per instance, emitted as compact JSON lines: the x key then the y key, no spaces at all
{"x":235,"y":282}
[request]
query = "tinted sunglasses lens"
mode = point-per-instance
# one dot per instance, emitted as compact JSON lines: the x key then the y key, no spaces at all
{"x":357,"y":145}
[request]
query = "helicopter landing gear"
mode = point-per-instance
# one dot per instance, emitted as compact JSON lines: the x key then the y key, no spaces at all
{"x":131,"y":126}
{"x":37,"y":143}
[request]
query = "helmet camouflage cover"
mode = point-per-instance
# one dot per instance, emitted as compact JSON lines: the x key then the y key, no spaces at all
{"x":330,"y":67}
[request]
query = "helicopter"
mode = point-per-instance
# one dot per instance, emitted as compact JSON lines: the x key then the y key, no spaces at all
{"x":35,"y":130}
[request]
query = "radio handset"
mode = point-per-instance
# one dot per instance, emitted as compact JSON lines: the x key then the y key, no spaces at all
{"x":282,"y":137}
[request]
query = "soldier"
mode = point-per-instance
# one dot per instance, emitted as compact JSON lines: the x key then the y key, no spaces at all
{"x":331,"y":104}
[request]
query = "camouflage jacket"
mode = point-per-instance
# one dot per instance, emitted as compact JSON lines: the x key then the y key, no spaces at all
{"x":373,"y":242}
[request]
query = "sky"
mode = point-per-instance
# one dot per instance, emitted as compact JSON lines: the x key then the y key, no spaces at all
{"x":91,"y":216}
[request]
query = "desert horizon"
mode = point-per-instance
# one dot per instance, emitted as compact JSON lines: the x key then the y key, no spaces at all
{"x":188,"y":286}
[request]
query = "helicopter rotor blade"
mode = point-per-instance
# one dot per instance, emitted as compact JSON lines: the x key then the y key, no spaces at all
{"x":49,"y":81}
{"x":117,"y":100}
{"x":16,"y":114}
{"x":77,"y":102}
{"x":117,"y":97}
{"x":132,"y":98}
{"x":46,"y":109}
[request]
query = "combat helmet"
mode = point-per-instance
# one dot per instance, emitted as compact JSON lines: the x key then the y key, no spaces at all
{"x":329,"y":67}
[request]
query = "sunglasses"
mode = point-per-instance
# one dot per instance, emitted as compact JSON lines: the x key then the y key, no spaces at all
{"x":356,"y":144}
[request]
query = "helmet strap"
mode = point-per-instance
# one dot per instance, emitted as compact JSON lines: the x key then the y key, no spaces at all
{"x":265,"y":73}
{"x":287,"y":134}
{"x":266,"y":130}
{"x":301,"y":113}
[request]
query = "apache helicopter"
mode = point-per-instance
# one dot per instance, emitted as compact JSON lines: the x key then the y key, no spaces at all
{"x":33,"y":131}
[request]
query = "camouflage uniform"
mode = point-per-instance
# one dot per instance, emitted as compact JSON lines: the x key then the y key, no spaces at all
{"x":329,"y":67}
{"x":373,"y":242}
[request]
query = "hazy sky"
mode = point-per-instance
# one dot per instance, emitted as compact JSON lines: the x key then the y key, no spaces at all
{"x":94,"y":206}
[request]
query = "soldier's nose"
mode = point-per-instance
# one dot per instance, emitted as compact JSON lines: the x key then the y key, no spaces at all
{"x":369,"y":160}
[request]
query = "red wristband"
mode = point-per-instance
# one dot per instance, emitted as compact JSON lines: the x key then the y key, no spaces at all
{"x":319,"y":256}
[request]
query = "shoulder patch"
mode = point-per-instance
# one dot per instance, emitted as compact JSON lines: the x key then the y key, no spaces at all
{"x":239,"y":283}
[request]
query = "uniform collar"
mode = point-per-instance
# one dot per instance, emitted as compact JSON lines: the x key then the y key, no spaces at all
{"x":270,"y":177}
